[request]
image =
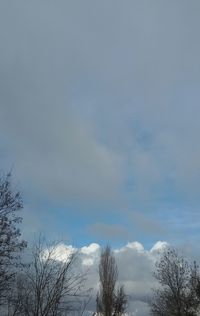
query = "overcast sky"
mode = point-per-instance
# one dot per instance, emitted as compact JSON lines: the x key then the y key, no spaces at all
{"x":99,"y":118}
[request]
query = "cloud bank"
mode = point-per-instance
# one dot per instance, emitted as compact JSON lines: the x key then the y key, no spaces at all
{"x":135,"y":266}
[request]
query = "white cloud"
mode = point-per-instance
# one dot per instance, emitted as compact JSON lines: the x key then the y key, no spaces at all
{"x":159,"y":246}
{"x":90,"y":254}
{"x":136,"y":246}
{"x":135,"y":265}
{"x":59,"y":252}
{"x":88,"y":250}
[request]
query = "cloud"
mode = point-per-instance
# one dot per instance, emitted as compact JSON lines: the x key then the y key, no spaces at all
{"x":59,"y":252}
{"x":135,"y":265}
{"x":109,"y":232}
{"x":90,"y":254}
{"x":99,"y":103}
{"x":146,"y":224}
{"x":59,"y":154}
{"x":88,"y":250}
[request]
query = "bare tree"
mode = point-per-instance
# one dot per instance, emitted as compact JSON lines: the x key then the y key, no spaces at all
{"x":11,"y":244}
{"x":120,"y":302}
{"x":177,"y":294}
{"x":109,"y":302}
{"x":49,"y":286}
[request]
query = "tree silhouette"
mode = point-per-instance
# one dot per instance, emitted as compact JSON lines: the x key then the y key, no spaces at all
{"x":179,"y":282}
{"x":11,"y":244}
{"x":109,"y":301}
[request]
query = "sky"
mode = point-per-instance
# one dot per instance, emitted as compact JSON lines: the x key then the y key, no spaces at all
{"x":99,"y":119}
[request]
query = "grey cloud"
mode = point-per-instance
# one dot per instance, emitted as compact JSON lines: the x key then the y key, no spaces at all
{"x":109,"y":232}
{"x":146,"y":224}
{"x":135,"y":265}
{"x":48,"y":144}
{"x":60,"y":154}
{"x":130,"y":71}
